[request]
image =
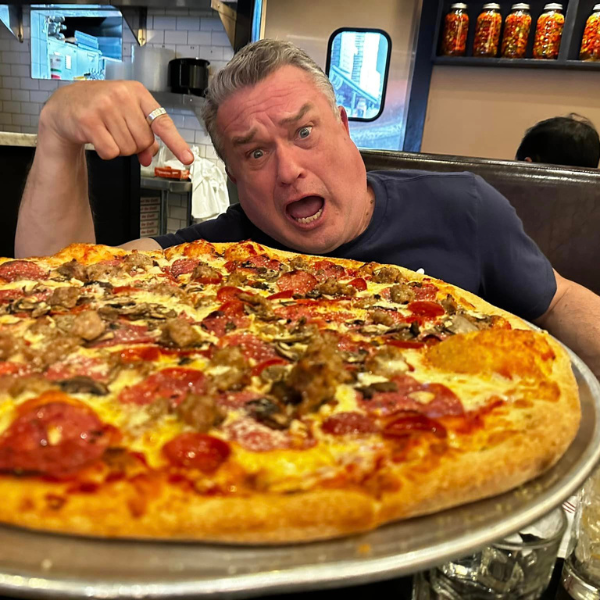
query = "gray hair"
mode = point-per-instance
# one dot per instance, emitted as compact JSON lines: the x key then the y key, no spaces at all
{"x":252,"y":64}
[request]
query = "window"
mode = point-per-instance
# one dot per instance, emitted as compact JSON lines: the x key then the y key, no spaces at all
{"x":357,"y":64}
{"x":74,"y":43}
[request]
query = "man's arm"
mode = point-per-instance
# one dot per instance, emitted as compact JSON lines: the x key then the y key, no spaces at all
{"x":574,"y":318}
{"x":55,"y":208}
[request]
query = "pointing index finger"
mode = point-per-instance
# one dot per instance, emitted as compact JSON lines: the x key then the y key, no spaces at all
{"x":165,"y":129}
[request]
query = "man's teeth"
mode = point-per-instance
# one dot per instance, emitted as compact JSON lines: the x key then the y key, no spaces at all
{"x":311,"y":219}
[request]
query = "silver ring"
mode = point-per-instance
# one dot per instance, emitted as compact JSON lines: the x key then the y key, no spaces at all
{"x":155,"y":114}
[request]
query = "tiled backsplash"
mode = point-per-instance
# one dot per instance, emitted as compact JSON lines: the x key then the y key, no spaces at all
{"x":189,"y":32}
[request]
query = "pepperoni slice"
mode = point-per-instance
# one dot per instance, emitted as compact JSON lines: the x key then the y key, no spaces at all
{"x":140,"y":354}
{"x":256,"y":437}
{"x":326,"y":269}
{"x":12,"y":368}
{"x":230,"y":316}
{"x":172,"y":384}
{"x":426,"y":308}
{"x":228,"y":292}
{"x":427,"y":291}
{"x":197,"y":451}
{"x":262,"y":261}
{"x":359,"y":284}
{"x":55,"y":439}
{"x":430,"y":399}
{"x":299,"y":282}
{"x":8,"y":295}
{"x":79,"y":366}
{"x":183,"y":266}
{"x":15,"y":270}
{"x":410,"y":424}
{"x":349,"y":423}
{"x":251,"y":346}
{"x":405,"y":344}
{"x":237,"y":399}
{"x":124,"y":289}
{"x":281,"y":295}
{"x":127,"y":334}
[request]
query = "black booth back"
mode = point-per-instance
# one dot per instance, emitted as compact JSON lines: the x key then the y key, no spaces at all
{"x":114,"y":188}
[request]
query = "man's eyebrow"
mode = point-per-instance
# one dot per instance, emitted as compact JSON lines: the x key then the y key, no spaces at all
{"x":245,"y":139}
{"x":289,"y":120}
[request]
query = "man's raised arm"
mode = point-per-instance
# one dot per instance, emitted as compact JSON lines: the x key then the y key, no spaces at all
{"x":55,"y":209}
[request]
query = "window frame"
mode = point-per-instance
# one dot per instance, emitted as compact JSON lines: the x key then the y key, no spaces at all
{"x":387,"y":65}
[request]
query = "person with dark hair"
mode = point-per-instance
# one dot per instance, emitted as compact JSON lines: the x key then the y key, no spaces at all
{"x":571,"y":141}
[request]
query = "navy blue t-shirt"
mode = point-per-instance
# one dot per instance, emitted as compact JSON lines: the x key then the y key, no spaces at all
{"x":455,"y":226}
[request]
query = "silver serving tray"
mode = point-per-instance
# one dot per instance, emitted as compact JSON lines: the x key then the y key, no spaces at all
{"x":39,"y":565}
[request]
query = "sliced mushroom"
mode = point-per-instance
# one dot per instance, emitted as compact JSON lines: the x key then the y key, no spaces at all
{"x":381,"y":386}
{"x":449,"y":305}
{"x":460,"y":324}
{"x":269,"y":412}
{"x":287,"y":351}
{"x":82,"y":384}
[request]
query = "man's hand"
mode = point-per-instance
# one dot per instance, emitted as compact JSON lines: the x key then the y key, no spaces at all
{"x":111,"y":115}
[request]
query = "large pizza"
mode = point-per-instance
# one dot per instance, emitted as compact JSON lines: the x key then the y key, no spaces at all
{"x":235,"y":393}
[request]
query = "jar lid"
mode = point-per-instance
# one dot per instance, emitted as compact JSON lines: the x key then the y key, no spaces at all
{"x":553,"y":6}
{"x":491,"y":6}
{"x":459,"y":5}
{"x":520,"y":7}
{"x":597,"y":7}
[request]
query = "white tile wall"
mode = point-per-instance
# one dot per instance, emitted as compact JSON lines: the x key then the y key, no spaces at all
{"x":190,"y":33}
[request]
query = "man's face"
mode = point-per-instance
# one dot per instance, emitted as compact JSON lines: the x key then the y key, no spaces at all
{"x":300,"y":177}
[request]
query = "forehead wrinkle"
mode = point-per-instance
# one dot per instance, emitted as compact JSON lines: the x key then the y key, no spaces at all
{"x":290,"y":120}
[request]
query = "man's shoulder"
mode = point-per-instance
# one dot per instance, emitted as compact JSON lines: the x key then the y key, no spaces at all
{"x":415,"y":177}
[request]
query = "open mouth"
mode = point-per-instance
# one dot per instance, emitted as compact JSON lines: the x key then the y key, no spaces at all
{"x":306,"y":210}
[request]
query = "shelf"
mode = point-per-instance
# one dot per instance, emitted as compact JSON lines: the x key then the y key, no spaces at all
{"x":172,"y":100}
{"x":527,"y":63}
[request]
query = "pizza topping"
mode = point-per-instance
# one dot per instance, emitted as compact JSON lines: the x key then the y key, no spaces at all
{"x":9,"y":345}
{"x":388,"y":275}
{"x":425,"y":291}
{"x":359,"y":284}
{"x":257,"y":437}
{"x":66,"y":297}
{"x":205,"y":274}
{"x":99,"y":369}
{"x":88,"y":325}
{"x":314,"y":378}
{"x":124,"y":333}
{"x":17,"y":270}
{"x":333,"y":287}
{"x":82,"y":384}
{"x":411,"y":424}
{"x":103,"y":270}
{"x":56,"y":438}
{"x":181,"y":333}
{"x":431,"y":399}
{"x":325,"y":269}
{"x":402,"y":294}
{"x":10,"y":294}
{"x":197,"y":451}
{"x":229,"y":317}
{"x":259,"y":306}
{"x":54,"y":350}
{"x":136,"y":260}
{"x":252,"y":347}
{"x":172,"y":384}
{"x":237,"y":373}
{"x":299,"y":282}
{"x":73,"y":270}
{"x":349,"y":423}
{"x":200,"y":412}
{"x":426,"y":309}
{"x":269,"y":412}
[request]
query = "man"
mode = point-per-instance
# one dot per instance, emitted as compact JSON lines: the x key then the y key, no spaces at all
{"x":303,"y":186}
{"x":571,"y":141}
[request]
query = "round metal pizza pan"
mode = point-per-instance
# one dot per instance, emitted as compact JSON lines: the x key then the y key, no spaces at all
{"x":38,"y":565}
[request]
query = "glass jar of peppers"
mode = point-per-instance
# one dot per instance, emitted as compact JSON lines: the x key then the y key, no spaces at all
{"x":456,"y":28}
{"x":487,"y":31}
{"x":516,"y":32}
{"x":590,"y":44}
{"x":548,"y":32}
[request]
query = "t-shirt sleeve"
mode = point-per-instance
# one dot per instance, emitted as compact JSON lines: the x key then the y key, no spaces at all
{"x":228,"y":227}
{"x":515,"y":273}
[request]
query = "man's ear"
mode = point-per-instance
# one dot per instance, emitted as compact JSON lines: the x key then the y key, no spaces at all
{"x":233,"y":179}
{"x":344,"y":118}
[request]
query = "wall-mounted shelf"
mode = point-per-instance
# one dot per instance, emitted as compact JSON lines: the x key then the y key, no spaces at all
{"x":576,"y":14}
{"x":172,"y":100}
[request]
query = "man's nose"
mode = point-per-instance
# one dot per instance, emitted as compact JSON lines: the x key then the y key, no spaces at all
{"x":289,"y":167}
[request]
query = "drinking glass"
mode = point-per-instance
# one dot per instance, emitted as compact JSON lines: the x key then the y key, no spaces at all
{"x":518,"y":567}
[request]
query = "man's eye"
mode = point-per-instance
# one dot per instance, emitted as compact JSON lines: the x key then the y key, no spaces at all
{"x":257,"y":154}
{"x":304,"y":132}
